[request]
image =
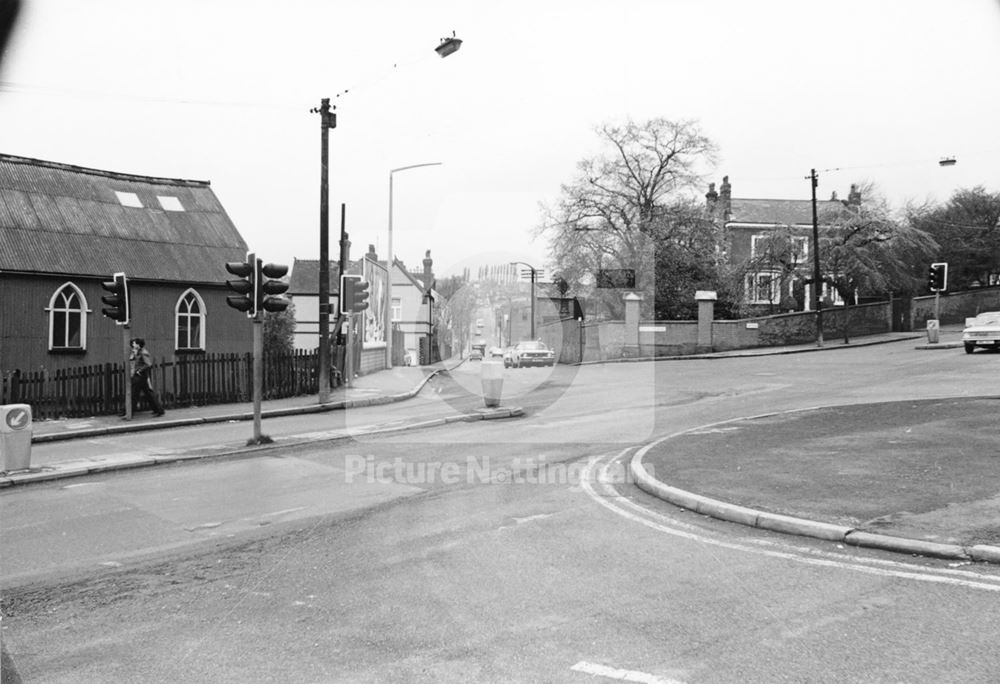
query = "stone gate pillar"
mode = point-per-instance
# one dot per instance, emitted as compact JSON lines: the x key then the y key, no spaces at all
{"x":706,"y":314}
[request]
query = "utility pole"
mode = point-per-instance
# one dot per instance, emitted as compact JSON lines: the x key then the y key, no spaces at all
{"x":817,"y":277}
{"x":328,"y":120}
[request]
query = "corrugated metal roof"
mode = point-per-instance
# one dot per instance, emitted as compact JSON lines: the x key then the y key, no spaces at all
{"x":58,"y":218}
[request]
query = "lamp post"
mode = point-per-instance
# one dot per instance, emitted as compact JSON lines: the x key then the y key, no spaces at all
{"x":328,"y":120}
{"x":389,"y":261}
{"x":534,"y":278}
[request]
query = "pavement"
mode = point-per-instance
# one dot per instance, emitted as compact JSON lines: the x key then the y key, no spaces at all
{"x":703,"y":475}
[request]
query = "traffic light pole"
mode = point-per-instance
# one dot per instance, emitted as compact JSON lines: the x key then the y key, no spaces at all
{"x":258,"y":379}
{"x":127,"y":346}
{"x":349,"y":350}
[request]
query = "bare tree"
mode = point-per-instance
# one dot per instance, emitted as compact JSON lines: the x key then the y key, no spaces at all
{"x":630,"y":201}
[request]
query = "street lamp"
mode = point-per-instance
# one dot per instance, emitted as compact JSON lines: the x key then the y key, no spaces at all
{"x":388,"y":261}
{"x":534,"y":278}
{"x":328,"y":120}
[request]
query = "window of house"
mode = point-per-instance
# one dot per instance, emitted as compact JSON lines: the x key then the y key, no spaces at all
{"x":800,"y":246}
{"x":763,"y":288}
{"x":170,"y":203}
{"x":67,"y":319}
{"x":397,"y":309}
{"x":129,"y":199}
{"x":190,"y":322}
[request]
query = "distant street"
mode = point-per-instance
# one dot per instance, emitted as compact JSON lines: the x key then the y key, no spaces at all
{"x":507,"y":550}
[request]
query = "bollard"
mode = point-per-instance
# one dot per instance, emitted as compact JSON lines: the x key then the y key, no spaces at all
{"x":491,"y":373}
{"x":15,"y":436}
{"x":932,"y":331}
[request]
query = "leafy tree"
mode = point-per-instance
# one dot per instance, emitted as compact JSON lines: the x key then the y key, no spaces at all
{"x":967,"y":230}
{"x":632,"y":207}
{"x":866,"y":249}
{"x":279,"y":332}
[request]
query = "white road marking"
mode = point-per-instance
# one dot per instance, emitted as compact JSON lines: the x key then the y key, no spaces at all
{"x":610,"y":499}
{"x":287,"y":510}
{"x":622,"y":675}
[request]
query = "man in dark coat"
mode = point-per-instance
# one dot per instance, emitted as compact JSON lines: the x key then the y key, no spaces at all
{"x":142,"y":381}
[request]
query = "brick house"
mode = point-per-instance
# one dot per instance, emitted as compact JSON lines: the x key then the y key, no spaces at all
{"x":66,"y":229}
{"x":746,"y":222}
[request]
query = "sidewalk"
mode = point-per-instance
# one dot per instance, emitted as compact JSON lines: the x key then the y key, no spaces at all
{"x":385,"y":386}
{"x":397,"y":384}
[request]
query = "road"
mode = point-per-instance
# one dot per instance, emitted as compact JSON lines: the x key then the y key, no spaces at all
{"x":488,"y":551}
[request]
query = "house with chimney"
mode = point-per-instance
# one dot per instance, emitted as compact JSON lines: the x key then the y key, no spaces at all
{"x":745,"y":224}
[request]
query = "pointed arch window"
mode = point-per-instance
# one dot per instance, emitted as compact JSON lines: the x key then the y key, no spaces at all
{"x":68,"y":319}
{"x":189,"y":316}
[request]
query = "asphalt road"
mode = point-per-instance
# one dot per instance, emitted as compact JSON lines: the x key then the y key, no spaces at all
{"x":533,"y":563}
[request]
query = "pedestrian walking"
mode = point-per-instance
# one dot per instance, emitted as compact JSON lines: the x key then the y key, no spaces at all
{"x":141,"y":367}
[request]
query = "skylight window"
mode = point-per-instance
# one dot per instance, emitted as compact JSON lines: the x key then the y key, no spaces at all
{"x":170,"y":203}
{"x":129,"y":199}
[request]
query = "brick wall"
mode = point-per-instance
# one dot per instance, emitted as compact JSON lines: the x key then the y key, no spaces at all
{"x":955,"y":308}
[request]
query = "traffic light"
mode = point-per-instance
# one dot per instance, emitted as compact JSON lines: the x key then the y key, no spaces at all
{"x":937,"y":277}
{"x":269,"y":287}
{"x":246,"y":286}
{"x":117,"y":308}
{"x":353,"y":294}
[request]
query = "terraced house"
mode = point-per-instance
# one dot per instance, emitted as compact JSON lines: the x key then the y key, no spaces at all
{"x":66,"y":229}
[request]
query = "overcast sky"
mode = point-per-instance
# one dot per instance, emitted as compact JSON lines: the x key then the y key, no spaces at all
{"x":221,"y":90}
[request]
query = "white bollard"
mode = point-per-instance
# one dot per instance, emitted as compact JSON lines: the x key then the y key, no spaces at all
{"x":15,"y":436}
{"x":492,"y":378}
{"x":932,"y":331}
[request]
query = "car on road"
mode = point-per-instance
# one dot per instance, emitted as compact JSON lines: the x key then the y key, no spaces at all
{"x":532,"y":353}
{"x":476,"y":354}
{"x":495,"y":353}
{"x":982,"y":331}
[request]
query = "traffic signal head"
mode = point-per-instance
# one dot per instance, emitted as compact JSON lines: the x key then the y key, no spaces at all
{"x":117,"y":308}
{"x":359,"y":296}
{"x":353,"y":294}
{"x":937,"y":277}
{"x":271,"y":287}
{"x":246,"y":271}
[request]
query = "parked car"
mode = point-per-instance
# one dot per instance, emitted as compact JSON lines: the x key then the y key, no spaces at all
{"x":476,"y":354}
{"x":532,"y":353}
{"x":982,"y":331}
{"x":495,"y":353}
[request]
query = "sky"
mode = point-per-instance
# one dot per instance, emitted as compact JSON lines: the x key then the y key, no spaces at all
{"x":222,"y":90}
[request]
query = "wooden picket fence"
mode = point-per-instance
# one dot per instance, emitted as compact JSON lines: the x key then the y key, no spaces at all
{"x":180,"y":382}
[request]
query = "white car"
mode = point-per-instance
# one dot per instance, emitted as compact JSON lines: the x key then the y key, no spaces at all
{"x":532,"y":353}
{"x":982,"y":331}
